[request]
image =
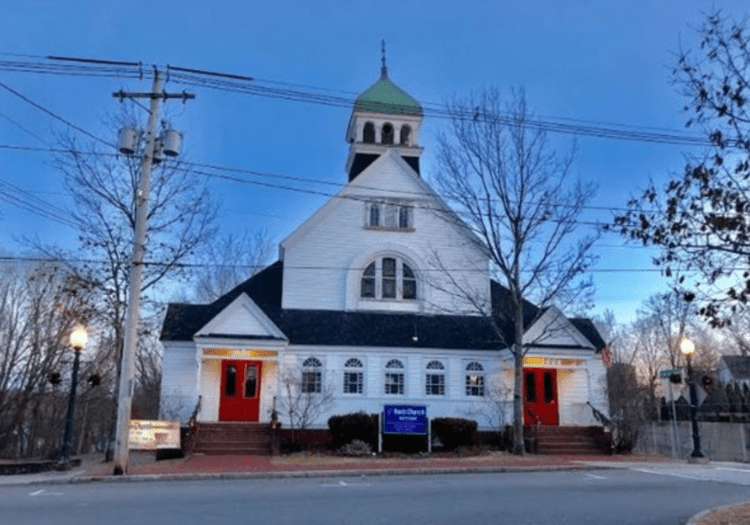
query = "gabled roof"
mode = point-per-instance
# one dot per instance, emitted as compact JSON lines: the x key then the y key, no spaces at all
{"x":360,"y":329}
{"x":386,"y":97}
{"x":738,"y":366}
{"x":589,"y":331}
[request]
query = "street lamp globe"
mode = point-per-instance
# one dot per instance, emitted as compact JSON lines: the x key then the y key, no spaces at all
{"x":687,"y":347}
{"x":78,"y":338}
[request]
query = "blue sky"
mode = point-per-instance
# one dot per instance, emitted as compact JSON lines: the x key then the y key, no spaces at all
{"x":600,"y":61}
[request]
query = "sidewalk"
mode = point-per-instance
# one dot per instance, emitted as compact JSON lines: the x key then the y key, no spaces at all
{"x":144,"y":467}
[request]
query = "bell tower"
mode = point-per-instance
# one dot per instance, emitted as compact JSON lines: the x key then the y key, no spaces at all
{"x":384,"y":116}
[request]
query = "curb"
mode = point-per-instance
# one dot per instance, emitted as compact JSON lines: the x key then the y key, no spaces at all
{"x":695,"y":520}
{"x":295,"y":474}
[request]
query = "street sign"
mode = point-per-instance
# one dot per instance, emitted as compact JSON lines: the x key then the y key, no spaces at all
{"x":665,"y":374}
{"x":405,"y":419}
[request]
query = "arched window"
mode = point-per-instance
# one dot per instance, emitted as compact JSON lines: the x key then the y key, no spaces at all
{"x":435,"y":379}
{"x":353,"y":376}
{"x":312,"y":376}
{"x":373,"y":219}
{"x":405,"y":132}
{"x":475,"y":379}
{"x":388,"y":278}
{"x":386,"y":136}
{"x":368,"y":281}
{"x":368,"y":133}
{"x":394,"y":377}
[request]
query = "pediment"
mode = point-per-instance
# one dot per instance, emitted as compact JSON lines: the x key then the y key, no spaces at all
{"x":241,"y":318}
{"x":553,"y":329}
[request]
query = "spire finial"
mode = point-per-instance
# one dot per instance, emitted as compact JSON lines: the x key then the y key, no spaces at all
{"x":383,"y":68}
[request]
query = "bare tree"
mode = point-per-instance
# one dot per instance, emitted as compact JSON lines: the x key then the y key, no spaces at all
{"x":671,"y":317}
{"x":103,"y":188}
{"x":39,"y":306}
{"x":228,"y":260}
{"x":511,"y":191}
{"x":304,"y":396}
{"x":698,"y":219}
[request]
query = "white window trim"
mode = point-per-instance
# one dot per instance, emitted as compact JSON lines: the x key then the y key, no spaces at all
{"x":361,"y":370}
{"x":401,"y":371}
{"x":443,"y":371}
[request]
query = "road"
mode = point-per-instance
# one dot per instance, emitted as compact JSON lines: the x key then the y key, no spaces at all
{"x":645,"y":495}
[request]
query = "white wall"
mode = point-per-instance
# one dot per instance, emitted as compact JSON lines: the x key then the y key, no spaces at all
{"x":323,"y":260}
{"x":455,"y":402}
{"x":210,"y":386}
{"x":179,"y":382}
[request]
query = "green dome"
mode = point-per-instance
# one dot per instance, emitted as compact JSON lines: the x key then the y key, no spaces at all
{"x":386,"y":97}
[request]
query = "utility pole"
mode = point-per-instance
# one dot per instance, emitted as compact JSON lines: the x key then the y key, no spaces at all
{"x":127,"y":366}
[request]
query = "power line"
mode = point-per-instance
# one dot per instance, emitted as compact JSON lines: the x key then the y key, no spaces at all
{"x":315,"y":267}
{"x":230,"y":82}
{"x":54,"y":115}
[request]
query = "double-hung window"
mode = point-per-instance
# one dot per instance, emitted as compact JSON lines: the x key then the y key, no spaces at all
{"x":394,"y":377}
{"x":312,"y":376}
{"x":435,"y":379}
{"x":474,"y":379}
{"x":353,"y":376}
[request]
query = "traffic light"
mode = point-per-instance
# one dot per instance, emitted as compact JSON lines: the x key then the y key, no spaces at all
{"x":675,"y":378}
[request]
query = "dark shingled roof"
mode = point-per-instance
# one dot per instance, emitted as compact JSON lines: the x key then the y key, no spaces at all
{"x":589,"y":331}
{"x":739,"y":366}
{"x":339,"y":328}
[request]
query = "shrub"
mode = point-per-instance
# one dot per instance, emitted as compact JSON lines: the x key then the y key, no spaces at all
{"x":346,"y":428}
{"x":454,"y":432}
{"x":356,"y":448}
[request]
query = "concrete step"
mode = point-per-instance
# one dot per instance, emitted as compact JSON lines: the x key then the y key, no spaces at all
{"x":232,"y":438}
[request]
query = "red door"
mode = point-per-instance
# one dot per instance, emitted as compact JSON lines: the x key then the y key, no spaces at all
{"x":540,"y":396}
{"x":240,"y":390}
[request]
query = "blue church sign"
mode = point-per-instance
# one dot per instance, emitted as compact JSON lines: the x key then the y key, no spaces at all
{"x":405,"y":419}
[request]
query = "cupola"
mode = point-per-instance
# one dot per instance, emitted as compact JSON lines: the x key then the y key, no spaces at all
{"x":384,"y":116}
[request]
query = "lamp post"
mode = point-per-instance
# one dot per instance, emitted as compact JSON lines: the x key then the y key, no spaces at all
{"x":77,"y":341}
{"x":688,"y":349}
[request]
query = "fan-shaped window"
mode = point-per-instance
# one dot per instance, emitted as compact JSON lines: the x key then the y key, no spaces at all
{"x":312,"y":376}
{"x":409,"y":283}
{"x":387,"y":133}
{"x":388,"y":278}
{"x":435,"y":379}
{"x":405,"y":135}
{"x":353,"y":376}
{"x":394,"y":377}
{"x":474,"y":379}
{"x":368,"y":133}
{"x":368,"y":281}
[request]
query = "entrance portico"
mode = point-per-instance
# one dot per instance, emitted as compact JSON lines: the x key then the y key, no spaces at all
{"x":237,"y":385}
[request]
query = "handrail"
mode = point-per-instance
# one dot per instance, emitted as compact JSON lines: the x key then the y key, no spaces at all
{"x":599,"y":416}
{"x":194,"y":416}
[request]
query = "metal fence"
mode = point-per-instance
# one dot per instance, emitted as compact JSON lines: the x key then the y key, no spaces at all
{"x":719,"y":441}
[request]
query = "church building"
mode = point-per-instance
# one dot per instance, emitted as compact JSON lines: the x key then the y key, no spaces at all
{"x":357,"y":309}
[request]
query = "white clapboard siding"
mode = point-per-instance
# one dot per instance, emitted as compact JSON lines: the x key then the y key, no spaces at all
{"x":324,"y":258}
{"x":179,"y":382}
{"x":210,"y":382}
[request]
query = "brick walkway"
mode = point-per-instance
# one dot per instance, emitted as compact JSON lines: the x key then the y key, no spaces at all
{"x":142,"y":464}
